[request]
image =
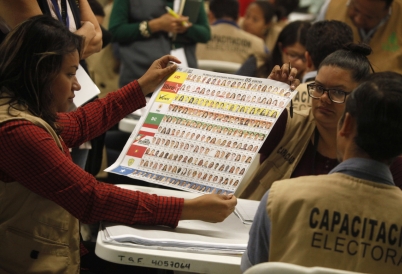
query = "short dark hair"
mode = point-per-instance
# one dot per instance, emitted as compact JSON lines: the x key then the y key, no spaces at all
{"x":31,"y":57}
{"x":388,"y":2}
{"x":325,"y":37}
{"x":267,"y":9}
{"x":353,"y":57}
{"x":284,"y":7}
{"x":224,"y":8}
{"x":376,"y":105}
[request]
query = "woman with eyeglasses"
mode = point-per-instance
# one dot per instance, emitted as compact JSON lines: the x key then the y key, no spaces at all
{"x":306,"y":144}
{"x":289,"y":48}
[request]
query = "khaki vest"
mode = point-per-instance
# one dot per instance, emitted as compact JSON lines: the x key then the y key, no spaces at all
{"x":336,"y":221}
{"x":387,"y":40}
{"x":36,"y":234}
{"x":302,"y":100}
{"x":273,"y":34}
{"x":284,"y":159}
{"x":231,"y":44}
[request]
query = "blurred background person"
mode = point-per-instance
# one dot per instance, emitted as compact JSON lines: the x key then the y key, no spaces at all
{"x":268,"y":17}
{"x":283,"y":10}
{"x":145,"y":32}
{"x":377,"y":23}
{"x":228,"y":41}
{"x":289,"y":48}
{"x":259,"y":19}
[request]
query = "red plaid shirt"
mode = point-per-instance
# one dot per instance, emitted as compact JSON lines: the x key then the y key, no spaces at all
{"x":30,"y":156}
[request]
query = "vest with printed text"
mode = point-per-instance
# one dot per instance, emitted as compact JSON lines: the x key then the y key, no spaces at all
{"x":336,"y":221}
{"x":36,"y":234}
{"x":302,"y":100}
{"x":386,"y":42}
{"x":281,"y":163}
{"x":230,"y":43}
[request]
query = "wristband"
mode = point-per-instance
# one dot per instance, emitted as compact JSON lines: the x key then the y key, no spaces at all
{"x":144,"y":29}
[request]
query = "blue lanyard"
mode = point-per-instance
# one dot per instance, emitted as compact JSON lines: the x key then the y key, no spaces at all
{"x":62,"y":16}
{"x":366,"y":36}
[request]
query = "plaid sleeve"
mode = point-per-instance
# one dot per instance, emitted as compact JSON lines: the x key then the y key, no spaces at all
{"x":93,"y":119}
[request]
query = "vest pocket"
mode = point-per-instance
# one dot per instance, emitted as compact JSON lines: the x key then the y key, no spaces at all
{"x":21,"y":252}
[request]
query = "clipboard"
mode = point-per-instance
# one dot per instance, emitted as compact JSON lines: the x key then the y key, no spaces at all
{"x":190,"y":8}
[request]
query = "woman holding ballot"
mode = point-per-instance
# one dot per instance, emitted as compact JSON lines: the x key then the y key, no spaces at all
{"x":305,"y":144}
{"x":43,"y":194}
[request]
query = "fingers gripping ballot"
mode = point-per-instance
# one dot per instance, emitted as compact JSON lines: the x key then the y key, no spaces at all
{"x":157,"y":72}
{"x":209,"y":208}
{"x":285,"y":74}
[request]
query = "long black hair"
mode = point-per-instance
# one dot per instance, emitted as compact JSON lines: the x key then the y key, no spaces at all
{"x":31,"y":56}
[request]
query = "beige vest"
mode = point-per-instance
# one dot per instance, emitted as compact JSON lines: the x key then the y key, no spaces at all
{"x":302,"y":100}
{"x":231,"y":44}
{"x":36,"y":234}
{"x":387,"y":40}
{"x":336,"y":221}
{"x":284,"y":159}
{"x":273,"y":34}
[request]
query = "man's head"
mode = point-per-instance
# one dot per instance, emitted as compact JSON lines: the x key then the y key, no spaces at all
{"x":372,"y":119}
{"x":223,"y":9}
{"x":324,"y":38}
{"x":367,"y":14}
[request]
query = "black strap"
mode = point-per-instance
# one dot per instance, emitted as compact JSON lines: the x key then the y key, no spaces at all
{"x":291,"y":109}
{"x":61,"y":12}
{"x":291,"y":101}
{"x":316,"y":139}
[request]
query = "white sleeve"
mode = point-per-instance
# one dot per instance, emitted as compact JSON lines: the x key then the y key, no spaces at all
{"x":323,"y":11}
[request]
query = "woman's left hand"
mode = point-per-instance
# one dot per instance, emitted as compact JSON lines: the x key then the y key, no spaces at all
{"x":157,"y":72}
{"x":286,"y":75}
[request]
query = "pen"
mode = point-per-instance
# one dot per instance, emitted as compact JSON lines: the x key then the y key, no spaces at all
{"x":291,"y":101}
{"x":175,"y":15}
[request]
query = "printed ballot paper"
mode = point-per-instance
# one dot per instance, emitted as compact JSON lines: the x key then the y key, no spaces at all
{"x":202,"y":130}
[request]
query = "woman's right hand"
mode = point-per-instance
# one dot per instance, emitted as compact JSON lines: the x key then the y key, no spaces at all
{"x":211,"y":208}
{"x":157,"y":72}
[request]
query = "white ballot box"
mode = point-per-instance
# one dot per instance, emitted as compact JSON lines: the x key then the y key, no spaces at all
{"x":194,"y":246}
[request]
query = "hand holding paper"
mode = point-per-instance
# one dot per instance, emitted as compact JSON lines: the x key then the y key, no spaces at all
{"x":175,"y":15}
{"x":169,"y":23}
{"x":209,"y":208}
{"x":157,"y":72}
{"x":285,"y":74}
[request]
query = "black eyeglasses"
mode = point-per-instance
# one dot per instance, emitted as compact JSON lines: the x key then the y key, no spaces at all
{"x":335,"y":95}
